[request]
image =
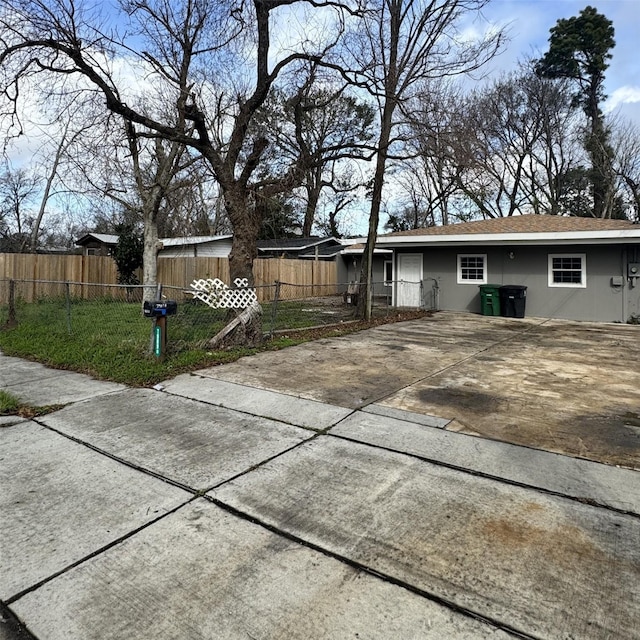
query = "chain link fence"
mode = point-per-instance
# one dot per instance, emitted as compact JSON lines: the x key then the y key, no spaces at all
{"x":114,"y":312}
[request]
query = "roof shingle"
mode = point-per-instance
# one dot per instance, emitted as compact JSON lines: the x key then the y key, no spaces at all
{"x":529,"y":223}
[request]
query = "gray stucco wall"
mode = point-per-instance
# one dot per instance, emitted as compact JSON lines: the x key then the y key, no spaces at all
{"x":599,"y":301}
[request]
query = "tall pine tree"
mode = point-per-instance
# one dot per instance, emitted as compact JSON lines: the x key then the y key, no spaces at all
{"x":579,"y":49}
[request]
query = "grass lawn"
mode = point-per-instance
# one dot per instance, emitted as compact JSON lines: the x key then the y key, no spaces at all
{"x":11,"y":406}
{"x":8,"y":403}
{"x":110,"y":339}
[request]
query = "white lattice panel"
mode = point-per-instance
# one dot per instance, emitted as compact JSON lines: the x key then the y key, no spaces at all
{"x":218,"y":295}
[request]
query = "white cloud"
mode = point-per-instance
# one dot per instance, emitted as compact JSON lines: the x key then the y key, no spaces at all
{"x":621,"y":96}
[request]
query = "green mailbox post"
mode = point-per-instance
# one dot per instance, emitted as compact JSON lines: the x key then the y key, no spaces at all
{"x":158,"y":310}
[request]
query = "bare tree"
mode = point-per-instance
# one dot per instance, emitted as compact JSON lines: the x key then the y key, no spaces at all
{"x":133,"y":180}
{"x":339,"y":200}
{"x":169,"y":158}
{"x":66,"y":128}
{"x":186,"y":47}
{"x":189,"y":206}
{"x":429,"y":176}
{"x":515,"y":141}
{"x":397,"y":45}
{"x":329,"y":128}
{"x":626,"y":142}
{"x":18,"y":193}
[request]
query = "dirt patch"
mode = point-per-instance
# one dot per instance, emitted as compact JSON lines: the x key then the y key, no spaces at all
{"x":570,"y":388}
{"x":351,"y":326}
{"x":470,"y":400}
{"x":631,"y":419}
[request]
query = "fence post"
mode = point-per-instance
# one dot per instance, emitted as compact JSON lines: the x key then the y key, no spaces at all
{"x":11,"y":321}
{"x":67,"y":295}
{"x":274,"y":307}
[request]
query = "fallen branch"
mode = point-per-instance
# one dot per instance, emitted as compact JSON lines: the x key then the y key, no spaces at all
{"x":245,"y":329}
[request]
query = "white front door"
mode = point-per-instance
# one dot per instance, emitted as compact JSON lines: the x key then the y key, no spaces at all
{"x":409,"y":280}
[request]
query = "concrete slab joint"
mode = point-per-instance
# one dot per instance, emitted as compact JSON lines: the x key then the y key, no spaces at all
{"x":459,"y":476}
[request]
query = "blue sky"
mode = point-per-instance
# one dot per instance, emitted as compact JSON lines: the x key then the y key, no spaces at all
{"x":530,"y":21}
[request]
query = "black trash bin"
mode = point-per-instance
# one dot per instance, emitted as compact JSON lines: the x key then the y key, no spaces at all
{"x":513,"y":299}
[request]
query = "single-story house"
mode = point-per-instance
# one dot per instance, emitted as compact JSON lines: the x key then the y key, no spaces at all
{"x":97,"y":244}
{"x":102,"y":244}
{"x":196,"y":247}
{"x":572,"y":268}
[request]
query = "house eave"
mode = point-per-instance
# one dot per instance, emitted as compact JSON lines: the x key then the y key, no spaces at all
{"x":620,"y":236}
{"x":357,"y":252}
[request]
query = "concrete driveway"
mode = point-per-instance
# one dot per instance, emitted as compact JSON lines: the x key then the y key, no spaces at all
{"x":330,"y":491}
{"x":567,"y":387}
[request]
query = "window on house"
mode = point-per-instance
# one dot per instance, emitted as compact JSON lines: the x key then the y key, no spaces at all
{"x":567,"y":270}
{"x":388,"y":273}
{"x":472,"y":268}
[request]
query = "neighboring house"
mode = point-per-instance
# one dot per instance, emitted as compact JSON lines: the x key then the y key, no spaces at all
{"x":346,"y":253}
{"x":101,"y":244}
{"x":196,"y":247}
{"x":314,"y":247}
{"x":573,"y":268}
{"x":97,"y":244}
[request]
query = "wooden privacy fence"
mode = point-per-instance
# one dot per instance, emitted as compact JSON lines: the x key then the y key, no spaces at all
{"x":62,"y":268}
{"x":317,"y":277}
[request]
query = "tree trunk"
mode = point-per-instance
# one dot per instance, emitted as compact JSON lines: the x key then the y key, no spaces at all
{"x":244,"y":326}
{"x":365,"y":299}
{"x":150,"y":259}
{"x":45,"y":199}
{"x":314,"y":187}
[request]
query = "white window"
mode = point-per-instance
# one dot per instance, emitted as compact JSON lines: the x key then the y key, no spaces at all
{"x":472,"y":268}
{"x":388,"y":273}
{"x":568,"y":270}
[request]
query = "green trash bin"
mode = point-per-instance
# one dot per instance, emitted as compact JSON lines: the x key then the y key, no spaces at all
{"x":490,"y":299}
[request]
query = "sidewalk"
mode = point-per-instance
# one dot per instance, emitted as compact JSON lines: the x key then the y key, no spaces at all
{"x":217,"y":509}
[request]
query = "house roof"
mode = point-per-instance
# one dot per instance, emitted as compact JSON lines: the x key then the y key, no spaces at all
{"x":105,"y":238}
{"x":293,"y":244}
{"x":167,"y":242}
{"x":190,"y":240}
{"x":321,"y":251}
{"x":529,"y":223}
{"x":357,"y":248}
{"x":530,"y":229}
